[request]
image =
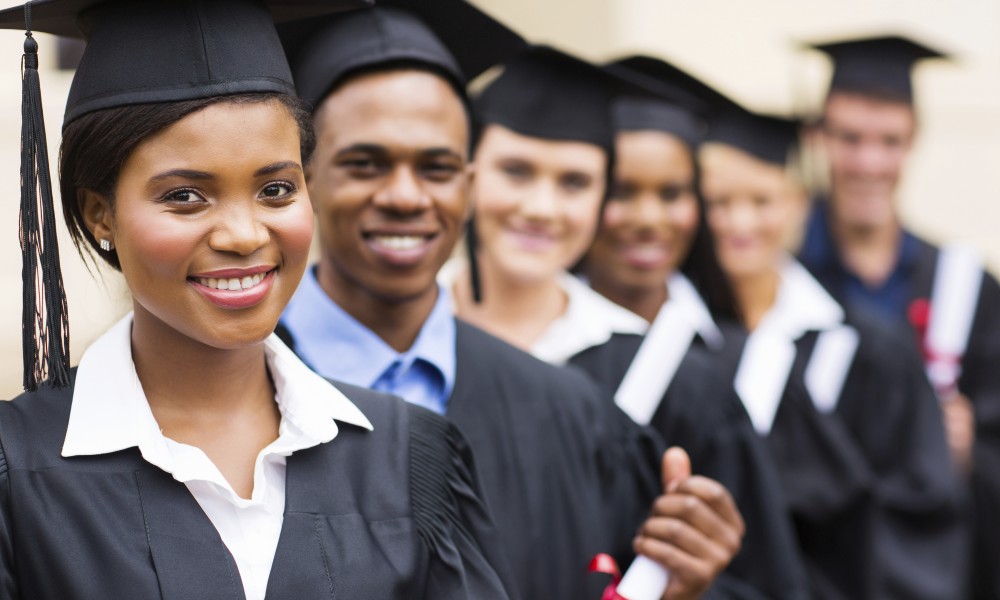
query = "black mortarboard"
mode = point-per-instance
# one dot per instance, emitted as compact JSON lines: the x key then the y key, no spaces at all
{"x":770,"y":138}
{"x":683,"y":117}
{"x":452,"y":37}
{"x":138,"y":52}
{"x":549,"y":94}
{"x":144,"y":51}
{"x":878,"y":66}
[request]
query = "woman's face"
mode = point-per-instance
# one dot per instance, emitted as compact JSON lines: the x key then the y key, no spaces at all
{"x":752,"y":209}
{"x":212,"y":223}
{"x":537,"y":202}
{"x":652,"y":216}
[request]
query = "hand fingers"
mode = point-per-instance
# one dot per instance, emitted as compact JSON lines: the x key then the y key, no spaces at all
{"x":689,"y":539}
{"x":687,"y":574}
{"x":676,"y":467}
{"x":717,"y":497}
{"x":699,"y":515}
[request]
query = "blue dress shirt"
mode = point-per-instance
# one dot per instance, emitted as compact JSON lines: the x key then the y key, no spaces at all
{"x":891,"y":299}
{"x":339,"y":347}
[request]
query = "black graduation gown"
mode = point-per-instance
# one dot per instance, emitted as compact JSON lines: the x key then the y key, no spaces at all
{"x":980,"y":382}
{"x":701,"y":413}
{"x":391,"y":513}
{"x":870,"y":486}
{"x":565,"y":477}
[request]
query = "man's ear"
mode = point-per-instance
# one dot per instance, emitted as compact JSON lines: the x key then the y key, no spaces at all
{"x":97,"y":215}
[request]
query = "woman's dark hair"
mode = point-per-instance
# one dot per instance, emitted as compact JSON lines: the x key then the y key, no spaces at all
{"x":702,"y":266}
{"x":96,"y":145}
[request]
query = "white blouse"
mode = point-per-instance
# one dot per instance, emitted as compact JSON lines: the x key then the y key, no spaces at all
{"x":110,"y":413}
{"x":589,"y":320}
{"x":801,"y":305}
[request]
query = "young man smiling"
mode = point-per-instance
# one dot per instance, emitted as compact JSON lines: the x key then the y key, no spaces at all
{"x":567,"y":475}
{"x":857,"y":247}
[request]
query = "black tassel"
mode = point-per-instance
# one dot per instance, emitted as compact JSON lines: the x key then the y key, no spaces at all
{"x":45,"y":319}
{"x":471,"y":247}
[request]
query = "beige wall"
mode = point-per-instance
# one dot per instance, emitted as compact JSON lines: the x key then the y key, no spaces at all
{"x":952,"y":189}
{"x":748,"y":49}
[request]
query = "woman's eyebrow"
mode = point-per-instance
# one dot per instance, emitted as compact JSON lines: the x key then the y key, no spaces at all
{"x":182,"y":173}
{"x":278,"y":166}
{"x":203,"y":175}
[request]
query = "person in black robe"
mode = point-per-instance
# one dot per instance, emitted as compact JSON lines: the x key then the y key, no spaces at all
{"x":567,"y":474}
{"x":191,"y":455}
{"x":903,"y":277}
{"x":840,"y":397}
{"x":678,"y":384}
{"x":389,"y":513}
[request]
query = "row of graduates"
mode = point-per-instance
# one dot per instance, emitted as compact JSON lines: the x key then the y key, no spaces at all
{"x":823,"y":468}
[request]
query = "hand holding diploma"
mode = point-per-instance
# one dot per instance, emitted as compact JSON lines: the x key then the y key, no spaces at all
{"x":694,"y":530}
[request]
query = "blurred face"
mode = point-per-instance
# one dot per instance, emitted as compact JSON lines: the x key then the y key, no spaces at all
{"x":212,"y":223}
{"x":652,"y":215}
{"x":389,"y":182}
{"x":867,"y":141}
{"x":537,"y":202}
{"x":752,"y":209}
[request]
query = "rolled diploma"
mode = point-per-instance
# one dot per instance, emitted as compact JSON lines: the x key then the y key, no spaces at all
{"x":645,"y":579}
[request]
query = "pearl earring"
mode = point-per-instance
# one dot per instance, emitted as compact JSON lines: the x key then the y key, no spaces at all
{"x":105,"y":245}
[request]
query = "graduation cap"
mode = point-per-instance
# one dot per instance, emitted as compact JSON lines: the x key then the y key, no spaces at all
{"x":452,"y":37}
{"x":770,"y":138}
{"x":683,"y":118}
{"x":549,"y":94}
{"x":877,"y":66}
{"x":138,"y":52}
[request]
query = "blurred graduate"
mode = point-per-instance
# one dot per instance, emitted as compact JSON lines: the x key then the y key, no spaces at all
{"x":858,"y":248}
{"x":839,"y":397}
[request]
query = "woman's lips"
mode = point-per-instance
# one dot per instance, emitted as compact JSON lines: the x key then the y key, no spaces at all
{"x":531,"y":241}
{"x":234,"y":292}
{"x":645,"y":255}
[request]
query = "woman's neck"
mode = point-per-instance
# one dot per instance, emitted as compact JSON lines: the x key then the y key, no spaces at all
{"x":515,"y":311}
{"x":643,"y":301}
{"x":755,"y":295}
{"x":219,"y":400}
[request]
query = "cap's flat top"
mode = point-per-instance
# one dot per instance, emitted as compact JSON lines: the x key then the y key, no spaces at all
{"x":60,"y":16}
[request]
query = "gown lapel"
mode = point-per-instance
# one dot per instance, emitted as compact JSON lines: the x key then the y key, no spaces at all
{"x":186,"y":549}
{"x":301,"y":569}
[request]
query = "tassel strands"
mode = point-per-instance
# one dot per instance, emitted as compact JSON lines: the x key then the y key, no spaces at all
{"x":45,"y":319}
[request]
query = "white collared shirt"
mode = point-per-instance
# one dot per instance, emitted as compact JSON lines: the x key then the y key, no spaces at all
{"x":682,"y":296}
{"x":589,"y":320}
{"x":110,"y":413}
{"x":801,"y":305}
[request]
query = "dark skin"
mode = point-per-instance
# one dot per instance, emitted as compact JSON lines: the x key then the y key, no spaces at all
{"x":389,"y":183}
{"x":391,"y":161}
{"x":648,"y":224}
{"x":222,"y":188}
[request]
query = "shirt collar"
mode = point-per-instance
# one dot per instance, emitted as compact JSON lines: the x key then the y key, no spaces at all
{"x":339,"y":347}
{"x":590,"y":320}
{"x":683,"y":294}
{"x":801,"y":305}
{"x":110,"y":411}
{"x":819,"y":250}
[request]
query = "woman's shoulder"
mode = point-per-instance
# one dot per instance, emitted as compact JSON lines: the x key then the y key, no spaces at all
{"x":33,"y":425}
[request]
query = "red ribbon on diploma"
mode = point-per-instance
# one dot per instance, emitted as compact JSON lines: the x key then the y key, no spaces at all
{"x":942,"y":370}
{"x":604,"y":563}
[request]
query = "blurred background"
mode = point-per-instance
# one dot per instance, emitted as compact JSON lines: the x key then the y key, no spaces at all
{"x":749,"y":49}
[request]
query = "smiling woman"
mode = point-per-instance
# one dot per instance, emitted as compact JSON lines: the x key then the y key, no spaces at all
{"x":191,"y":454}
